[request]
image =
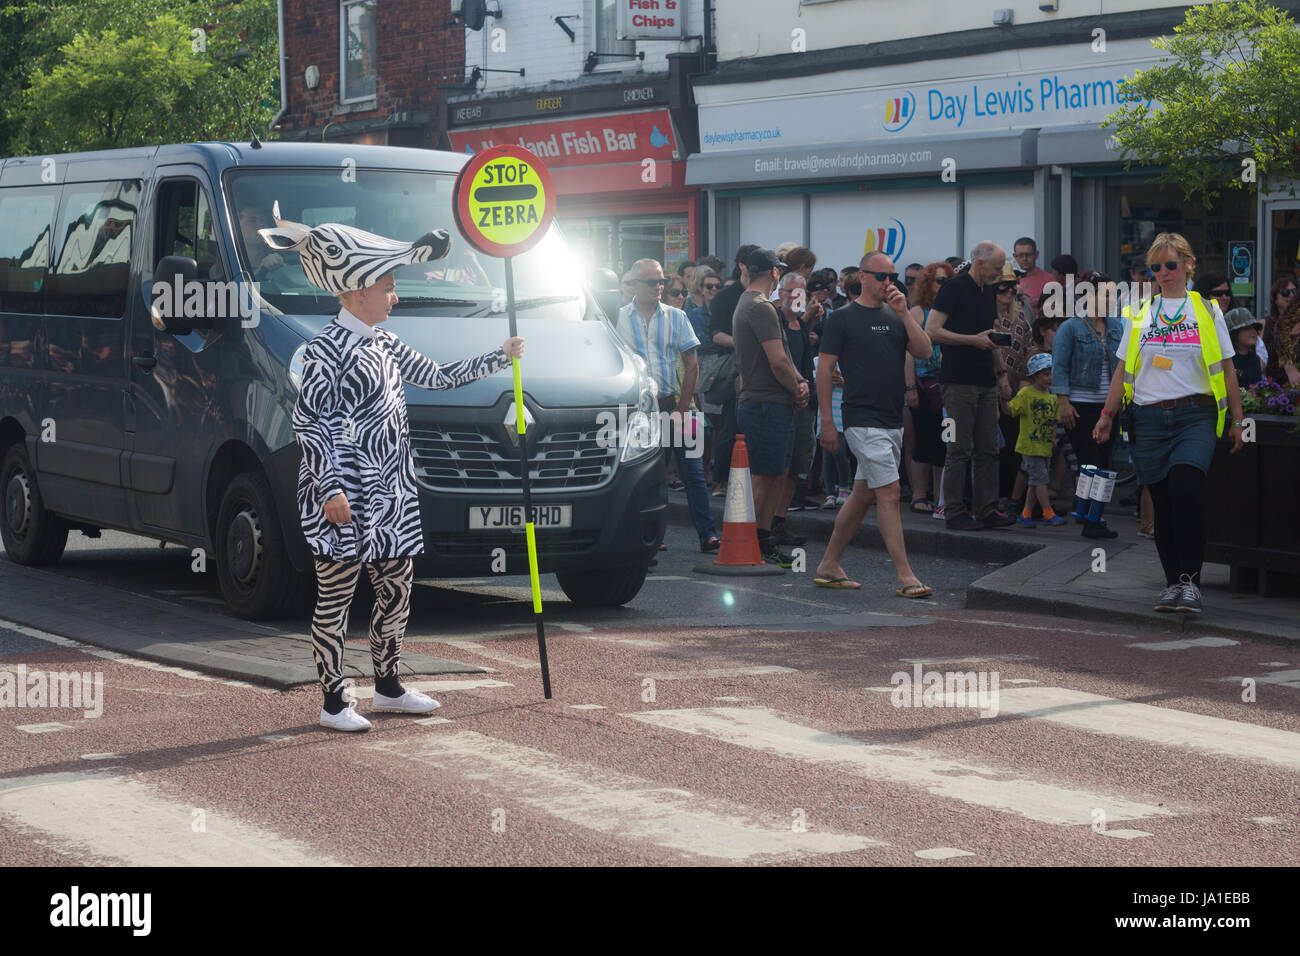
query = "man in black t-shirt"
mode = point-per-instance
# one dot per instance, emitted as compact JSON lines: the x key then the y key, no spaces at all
{"x":869,"y":339}
{"x":972,"y":375}
{"x":721,"y":310}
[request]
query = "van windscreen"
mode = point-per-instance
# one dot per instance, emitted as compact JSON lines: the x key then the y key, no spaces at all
{"x":402,"y":205}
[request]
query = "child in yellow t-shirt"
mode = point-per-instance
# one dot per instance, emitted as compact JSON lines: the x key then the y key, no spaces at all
{"x":1038,"y":411}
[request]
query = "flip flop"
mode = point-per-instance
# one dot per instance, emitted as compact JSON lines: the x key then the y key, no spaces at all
{"x":915,"y":591}
{"x":842,"y":584}
{"x":923,"y":506}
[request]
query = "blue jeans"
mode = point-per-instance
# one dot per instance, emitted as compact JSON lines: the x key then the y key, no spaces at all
{"x":691,"y":471}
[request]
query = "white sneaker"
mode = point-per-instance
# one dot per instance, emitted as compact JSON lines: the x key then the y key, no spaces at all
{"x":412,"y":702}
{"x":346,"y":719}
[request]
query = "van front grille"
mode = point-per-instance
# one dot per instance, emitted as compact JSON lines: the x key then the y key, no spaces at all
{"x":467,"y":458}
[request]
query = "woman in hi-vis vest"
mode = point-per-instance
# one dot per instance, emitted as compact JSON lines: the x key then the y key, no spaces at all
{"x":1175,"y":367}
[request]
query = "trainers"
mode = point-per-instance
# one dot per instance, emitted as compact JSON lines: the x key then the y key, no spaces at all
{"x":840,"y":499}
{"x":785,"y":537}
{"x":1189,"y":596}
{"x":938,"y":514}
{"x":965,"y":522}
{"x":1055,"y":521}
{"x":829,"y":503}
{"x":774,"y":555}
{"x":998,"y":519}
{"x":412,"y":702}
{"x":1168,"y":599}
{"x":346,"y":719}
{"x":1027,"y":522}
{"x":719,"y":492}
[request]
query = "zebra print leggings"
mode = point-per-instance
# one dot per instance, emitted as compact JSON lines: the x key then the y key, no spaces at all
{"x":335,"y":584}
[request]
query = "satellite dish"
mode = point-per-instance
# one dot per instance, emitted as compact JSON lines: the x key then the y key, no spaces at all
{"x":474,"y":12}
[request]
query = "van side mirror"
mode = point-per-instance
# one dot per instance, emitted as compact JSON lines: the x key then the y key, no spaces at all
{"x":176,"y":279}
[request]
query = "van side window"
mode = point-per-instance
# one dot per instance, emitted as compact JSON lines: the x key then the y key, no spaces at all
{"x":28,"y":216}
{"x":187,"y":227}
{"x":93,"y":233}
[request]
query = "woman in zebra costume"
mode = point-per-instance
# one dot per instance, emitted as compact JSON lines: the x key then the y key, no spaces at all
{"x":357,"y":498}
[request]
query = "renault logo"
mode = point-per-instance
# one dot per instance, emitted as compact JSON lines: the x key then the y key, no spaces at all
{"x":512,"y":427}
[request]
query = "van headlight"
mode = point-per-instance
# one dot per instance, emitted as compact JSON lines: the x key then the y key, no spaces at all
{"x":641,"y":437}
{"x":295,"y":366}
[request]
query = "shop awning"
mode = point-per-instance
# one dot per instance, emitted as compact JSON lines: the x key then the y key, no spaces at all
{"x":1012,"y":149}
{"x":1072,"y":145}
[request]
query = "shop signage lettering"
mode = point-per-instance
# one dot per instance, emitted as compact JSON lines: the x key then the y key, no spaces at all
{"x":587,"y":141}
{"x":1064,"y":97}
{"x":641,"y":94}
{"x":549,"y":103}
{"x":465,"y":113}
{"x":649,"y":19}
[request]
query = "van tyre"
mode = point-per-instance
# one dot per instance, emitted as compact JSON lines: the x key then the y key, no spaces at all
{"x":612,"y":587}
{"x":257,"y":579}
{"x":32,"y":535}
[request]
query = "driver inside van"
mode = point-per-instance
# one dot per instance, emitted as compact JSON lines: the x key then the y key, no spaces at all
{"x":261,"y":260}
{"x":357,"y":498}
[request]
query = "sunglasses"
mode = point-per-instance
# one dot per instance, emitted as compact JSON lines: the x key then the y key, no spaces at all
{"x":1005,"y":287}
{"x":1171,"y":265}
{"x":713,"y":285}
{"x":1286,"y":293}
{"x":677,"y":293}
{"x":653,"y":281}
{"x":1220,"y":293}
{"x":882,"y":276}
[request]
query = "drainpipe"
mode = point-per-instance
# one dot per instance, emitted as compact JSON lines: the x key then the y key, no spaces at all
{"x":284,"y":89}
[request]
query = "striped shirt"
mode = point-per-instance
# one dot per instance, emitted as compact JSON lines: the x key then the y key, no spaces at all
{"x":659,"y":341}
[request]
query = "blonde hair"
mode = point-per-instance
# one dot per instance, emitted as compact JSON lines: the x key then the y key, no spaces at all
{"x":696,"y":285}
{"x":1178,"y":243}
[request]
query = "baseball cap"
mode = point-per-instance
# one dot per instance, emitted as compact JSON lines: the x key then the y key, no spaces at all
{"x":762,"y":260}
{"x":1037,"y":362}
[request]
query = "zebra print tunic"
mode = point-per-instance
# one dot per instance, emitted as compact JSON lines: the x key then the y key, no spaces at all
{"x":350,"y":420}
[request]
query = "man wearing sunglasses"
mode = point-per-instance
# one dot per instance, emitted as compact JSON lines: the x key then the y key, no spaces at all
{"x":659,"y":333}
{"x":961,"y":321}
{"x":869,"y":339}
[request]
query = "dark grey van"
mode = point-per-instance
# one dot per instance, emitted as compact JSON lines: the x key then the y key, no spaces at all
{"x":174,"y":423}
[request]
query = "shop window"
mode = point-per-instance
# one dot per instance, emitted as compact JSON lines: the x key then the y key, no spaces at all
{"x":358,"y":49}
{"x":1140,"y":210}
{"x":607,"y":40}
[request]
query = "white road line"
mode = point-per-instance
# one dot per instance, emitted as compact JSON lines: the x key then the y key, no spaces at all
{"x":1274,"y":664}
{"x":766,"y":731}
{"x":494,"y":655}
{"x":275,"y":738}
{"x":1185,"y":644}
{"x":1288,"y":678}
{"x":60,"y":641}
{"x":101,"y":756}
{"x":942,"y":853}
{"x":1125,"y":834}
{"x":709,"y":673}
{"x":617,"y":804}
{"x":1019,"y":680}
{"x":368,"y":693}
{"x":49,"y":728}
{"x":110,"y":814}
{"x":587,"y":707}
{"x":430,"y":721}
{"x":1037,"y":627}
{"x":1156,"y":725}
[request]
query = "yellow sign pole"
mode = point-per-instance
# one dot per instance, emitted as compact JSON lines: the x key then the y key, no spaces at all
{"x":521,"y":427}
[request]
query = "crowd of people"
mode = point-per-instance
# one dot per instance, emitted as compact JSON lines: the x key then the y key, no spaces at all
{"x":960,"y":389}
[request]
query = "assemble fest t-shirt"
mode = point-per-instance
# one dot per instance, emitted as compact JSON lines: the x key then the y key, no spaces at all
{"x":871,"y":345}
{"x":970,"y":310}
{"x":1038,"y":413}
{"x":756,"y":321}
{"x":1177,"y":345}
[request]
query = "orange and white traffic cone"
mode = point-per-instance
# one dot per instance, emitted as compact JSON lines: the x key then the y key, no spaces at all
{"x":739,"y":553}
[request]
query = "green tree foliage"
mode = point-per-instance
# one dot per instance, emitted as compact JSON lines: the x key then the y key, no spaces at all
{"x":1227,"y":92}
{"x":100,"y":74}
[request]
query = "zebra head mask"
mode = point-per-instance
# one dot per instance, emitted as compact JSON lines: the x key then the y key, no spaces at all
{"x":340,"y":258}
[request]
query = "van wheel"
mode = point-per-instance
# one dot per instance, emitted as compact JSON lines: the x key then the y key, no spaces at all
{"x":31,"y":534}
{"x":257,"y":579}
{"x":608,"y":588}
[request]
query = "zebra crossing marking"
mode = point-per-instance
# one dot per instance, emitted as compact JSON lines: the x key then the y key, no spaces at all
{"x":767,"y":731}
{"x":368,"y":692}
{"x":1185,"y":644}
{"x":619,"y":804}
{"x":710,"y":673}
{"x":49,"y":728}
{"x":494,"y":655}
{"x":1156,"y":725}
{"x":942,"y":853}
{"x":108,"y":813}
{"x":1125,"y":834}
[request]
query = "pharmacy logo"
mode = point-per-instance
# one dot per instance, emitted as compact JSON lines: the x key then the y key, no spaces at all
{"x":889,"y":240}
{"x":899,"y":111}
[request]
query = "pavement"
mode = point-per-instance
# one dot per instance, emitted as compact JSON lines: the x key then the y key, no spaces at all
{"x":1057,"y":571}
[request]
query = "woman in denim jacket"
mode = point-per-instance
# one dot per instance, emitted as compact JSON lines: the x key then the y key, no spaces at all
{"x":1083,"y":361}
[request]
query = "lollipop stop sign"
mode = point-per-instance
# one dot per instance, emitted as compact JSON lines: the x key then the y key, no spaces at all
{"x":504,"y":203}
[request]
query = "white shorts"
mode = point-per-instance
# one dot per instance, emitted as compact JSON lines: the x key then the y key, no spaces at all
{"x":878,"y":451}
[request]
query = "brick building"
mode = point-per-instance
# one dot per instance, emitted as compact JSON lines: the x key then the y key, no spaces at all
{"x":367,"y":71}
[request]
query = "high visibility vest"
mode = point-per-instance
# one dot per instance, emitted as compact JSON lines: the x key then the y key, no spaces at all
{"x":1211,"y":354}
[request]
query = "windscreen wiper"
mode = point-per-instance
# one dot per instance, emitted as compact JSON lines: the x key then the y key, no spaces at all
{"x":435,"y":300}
{"x":534,"y":303}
